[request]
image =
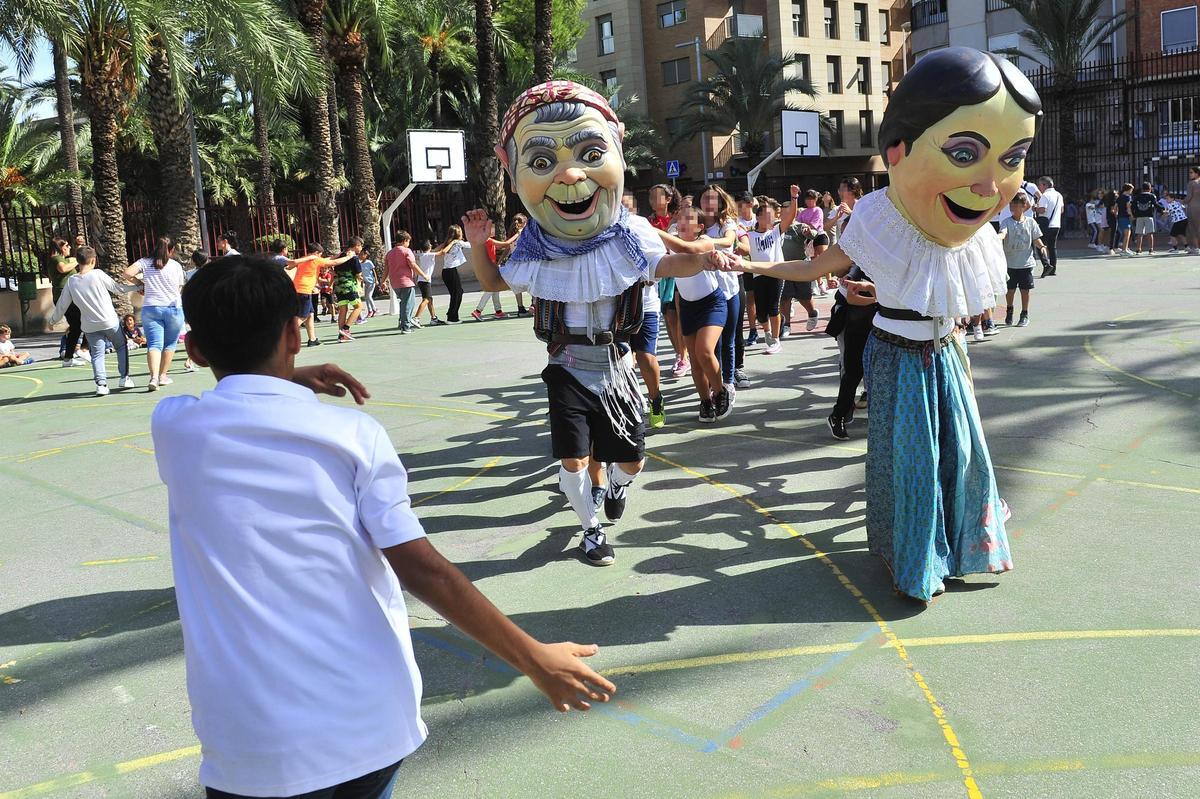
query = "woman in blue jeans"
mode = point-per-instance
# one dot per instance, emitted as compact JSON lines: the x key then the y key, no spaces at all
{"x":162,"y":312}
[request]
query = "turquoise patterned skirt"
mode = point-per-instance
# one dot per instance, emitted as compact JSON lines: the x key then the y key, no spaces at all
{"x":933,"y":510}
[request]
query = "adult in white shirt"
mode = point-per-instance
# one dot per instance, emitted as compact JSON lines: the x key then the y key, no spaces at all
{"x":1048,"y":212}
{"x":162,"y":311}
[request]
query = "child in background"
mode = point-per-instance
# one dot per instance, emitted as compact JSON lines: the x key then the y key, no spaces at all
{"x":427,"y":260}
{"x":1124,"y":226}
{"x":1019,"y":236}
{"x":1176,"y":217}
{"x":1095,"y":218}
{"x":1144,"y":204}
{"x":8,"y":351}
{"x":325,"y":289}
{"x":766,"y":245}
{"x":369,"y":279}
{"x":300,"y":669}
{"x":134,"y":337}
{"x":91,"y":291}
{"x":454,"y":255}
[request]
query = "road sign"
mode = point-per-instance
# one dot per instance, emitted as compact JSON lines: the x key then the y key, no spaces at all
{"x":801,"y":133}
{"x":672,"y":169}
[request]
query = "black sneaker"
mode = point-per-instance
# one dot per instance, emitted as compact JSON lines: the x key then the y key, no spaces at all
{"x":522,"y":311}
{"x":314,"y":343}
{"x":596,"y":549}
{"x":435,"y":322}
{"x":722,"y":407}
{"x":708,"y":414}
{"x":740,"y":378}
{"x":837,"y":426}
{"x":597,"y":497}
{"x":614,"y":498}
{"x":1008,"y":315}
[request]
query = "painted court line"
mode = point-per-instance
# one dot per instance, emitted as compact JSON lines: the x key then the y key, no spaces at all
{"x":1100,"y":359}
{"x":116,"y":561}
{"x":489,"y":465}
{"x":37,"y":386}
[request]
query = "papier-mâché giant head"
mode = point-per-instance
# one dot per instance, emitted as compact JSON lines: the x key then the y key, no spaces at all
{"x":955,"y":136}
{"x":561,"y":145}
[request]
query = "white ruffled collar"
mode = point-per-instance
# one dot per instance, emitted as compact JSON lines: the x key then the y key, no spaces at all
{"x":924,"y":276}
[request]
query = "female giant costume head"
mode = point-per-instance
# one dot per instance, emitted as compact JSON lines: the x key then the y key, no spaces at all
{"x":955,"y":136}
{"x":561,"y":145}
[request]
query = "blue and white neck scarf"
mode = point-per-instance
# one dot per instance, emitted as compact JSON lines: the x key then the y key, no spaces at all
{"x":535,"y":245}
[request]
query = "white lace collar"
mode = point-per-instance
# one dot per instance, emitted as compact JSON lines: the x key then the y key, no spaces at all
{"x":606,"y":271}
{"x":923,"y":275}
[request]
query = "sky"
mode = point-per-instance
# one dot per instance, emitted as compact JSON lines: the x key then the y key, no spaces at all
{"x":43,"y":69}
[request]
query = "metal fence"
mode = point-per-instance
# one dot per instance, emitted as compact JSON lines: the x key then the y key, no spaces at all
{"x":25,"y":234}
{"x":1136,"y":119}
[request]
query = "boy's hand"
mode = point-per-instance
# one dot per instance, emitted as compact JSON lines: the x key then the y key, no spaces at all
{"x":330,"y":379}
{"x":477,"y":227}
{"x":560,"y":673}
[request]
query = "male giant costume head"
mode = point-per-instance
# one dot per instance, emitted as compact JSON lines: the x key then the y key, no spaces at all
{"x":955,"y":136}
{"x":561,"y":145}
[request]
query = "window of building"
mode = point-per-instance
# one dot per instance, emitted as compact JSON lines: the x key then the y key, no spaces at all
{"x":604,"y":32}
{"x":1179,"y":30}
{"x":803,"y":66}
{"x":886,"y":77}
{"x":861,"y":32}
{"x":837,"y":121}
{"x":831,"y":21}
{"x":672,"y":13}
{"x":864,"y":76}
{"x":833,"y":72}
{"x":885,"y":32}
{"x":866,"y":129}
{"x":676,"y":71}
{"x":609,"y":78}
{"x":1177,"y":124}
{"x":799,"y":17}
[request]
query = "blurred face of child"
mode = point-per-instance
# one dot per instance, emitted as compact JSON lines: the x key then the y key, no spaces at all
{"x":629,"y":202}
{"x":766,"y":217}
{"x":129,"y":323}
{"x":689,"y":224}
{"x":3,"y":336}
{"x":745,"y":210}
{"x":710,"y":204}
{"x":1018,"y":207}
{"x":659,"y":201}
{"x":810,"y":202}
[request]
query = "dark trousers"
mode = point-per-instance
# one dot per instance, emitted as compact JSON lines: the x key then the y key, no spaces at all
{"x":854,"y":343}
{"x":74,"y":330}
{"x":1113,"y":236}
{"x":376,"y":785}
{"x":727,"y":345}
{"x":454,"y":286}
{"x":740,"y":340}
{"x":768,"y":291}
{"x":1050,"y":239}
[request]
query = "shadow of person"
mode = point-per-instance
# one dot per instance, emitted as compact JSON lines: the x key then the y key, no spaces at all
{"x":88,"y":616}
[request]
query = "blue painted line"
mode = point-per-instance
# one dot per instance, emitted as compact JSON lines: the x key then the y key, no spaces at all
{"x":793,"y":690}
{"x":622,"y":714}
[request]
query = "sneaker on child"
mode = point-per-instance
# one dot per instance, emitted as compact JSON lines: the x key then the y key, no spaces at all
{"x":596,"y":549}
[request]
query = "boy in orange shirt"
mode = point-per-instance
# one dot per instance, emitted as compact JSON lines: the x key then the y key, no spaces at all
{"x":304,"y":273}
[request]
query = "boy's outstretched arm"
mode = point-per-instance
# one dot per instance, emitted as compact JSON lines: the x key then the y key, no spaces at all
{"x":556,"y":669}
{"x":832,"y":261}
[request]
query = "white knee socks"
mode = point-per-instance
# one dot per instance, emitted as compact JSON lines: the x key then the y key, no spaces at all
{"x":618,"y":477}
{"x":577,"y":487}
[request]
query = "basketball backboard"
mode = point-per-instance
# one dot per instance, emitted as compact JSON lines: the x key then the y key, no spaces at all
{"x":437,"y":156}
{"x":801,"y":133}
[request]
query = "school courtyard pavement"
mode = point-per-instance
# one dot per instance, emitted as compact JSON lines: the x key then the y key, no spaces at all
{"x":758,"y":648}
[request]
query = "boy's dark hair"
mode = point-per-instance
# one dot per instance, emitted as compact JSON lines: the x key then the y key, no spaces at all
{"x":127,"y":316}
{"x":316,"y":248}
{"x":230,"y":237}
{"x":403,"y":236}
{"x":199,"y":258}
{"x":356,"y":241}
{"x":1146,"y":186}
{"x":85,"y":254}
{"x":277,"y":246}
{"x":943,"y":82}
{"x":1127,"y":187}
{"x":426,"y":244}
{"x":237,"y":306}
{"x":811,"y":194}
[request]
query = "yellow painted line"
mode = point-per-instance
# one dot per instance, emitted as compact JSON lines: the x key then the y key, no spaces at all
{"x":490,"y":464}
{"x":1110,"y":480}
{"x":1100,"y":359}
{"x":43,"y":453}
{"x":84,"y":777}
{"x":115,"y":561}
{"x":966,"y":773}
{"x":37,"y":386}
{"x":754,"y":656}
{"x":484,"y":414}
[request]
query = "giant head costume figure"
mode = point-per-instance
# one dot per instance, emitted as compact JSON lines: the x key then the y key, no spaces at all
{"x":561,"y":145}
{"x":955,"y":136}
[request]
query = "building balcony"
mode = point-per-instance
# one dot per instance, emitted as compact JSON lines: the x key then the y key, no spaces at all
{"x":737,"y":26}
{"x":928,"y":12}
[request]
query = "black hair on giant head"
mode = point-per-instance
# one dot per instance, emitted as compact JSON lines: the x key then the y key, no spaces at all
{"x":944,"y":81}
{"x":237,"y":306}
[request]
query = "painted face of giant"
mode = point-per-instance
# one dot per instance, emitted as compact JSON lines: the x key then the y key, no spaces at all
{"x":962,"y":170}
{"x":569,"y":175}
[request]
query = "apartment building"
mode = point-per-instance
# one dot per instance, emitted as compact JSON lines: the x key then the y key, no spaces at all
{"x":853,"y":52}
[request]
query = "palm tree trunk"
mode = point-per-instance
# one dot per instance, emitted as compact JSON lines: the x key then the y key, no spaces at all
{"x":170,"y":126}
{"x":543,"y":40}
{"x":489,"y":165}
{"x":363,"y":184}
{"x":312,"y":18}
{"x":435,"y":78}
{"x":113,"y":257}
{"x":1065,"y":90}
{"x":66,"y":132}
{"x":264,"y":181}
{"x":335,"y":131}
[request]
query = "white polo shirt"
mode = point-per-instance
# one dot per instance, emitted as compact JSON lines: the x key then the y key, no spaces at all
{"x":300,"y":668}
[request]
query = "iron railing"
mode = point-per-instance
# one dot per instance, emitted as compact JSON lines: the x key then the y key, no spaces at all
{"x":928,"y":12}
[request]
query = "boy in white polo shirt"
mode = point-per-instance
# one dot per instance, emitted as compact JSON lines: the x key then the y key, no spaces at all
{"x":290,"y":523}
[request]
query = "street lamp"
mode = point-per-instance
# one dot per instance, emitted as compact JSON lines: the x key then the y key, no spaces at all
{"x":699,"y":77}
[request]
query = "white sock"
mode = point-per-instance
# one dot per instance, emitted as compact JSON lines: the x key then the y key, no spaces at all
{"x":577,"y":487}
{"x":618,"y":478}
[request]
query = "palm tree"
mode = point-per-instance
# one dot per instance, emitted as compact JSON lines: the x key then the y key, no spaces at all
{"x":747,"y":94}
{"x":353,"y":26}
{"x":488,"y":132}
{"x":311,"y":14}
{"x":543,"y":40}
{"x":66,"y":129}
{"x":170,"y":121}
{"x":1067,"y":32}
{"x":442,"y":34}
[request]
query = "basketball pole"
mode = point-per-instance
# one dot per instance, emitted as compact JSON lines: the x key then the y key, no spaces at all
{"x":385,"y":224}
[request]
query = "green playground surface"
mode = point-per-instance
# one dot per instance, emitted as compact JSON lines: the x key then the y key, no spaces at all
{"x":757,"y":647}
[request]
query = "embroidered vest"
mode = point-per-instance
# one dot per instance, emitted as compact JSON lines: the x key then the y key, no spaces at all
{"x":550,"y":322}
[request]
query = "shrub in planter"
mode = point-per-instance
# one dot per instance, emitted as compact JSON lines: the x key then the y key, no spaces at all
{"x":263,"y":243}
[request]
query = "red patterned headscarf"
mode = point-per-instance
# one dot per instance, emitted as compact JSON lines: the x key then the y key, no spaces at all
{"x":554,"y":91}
